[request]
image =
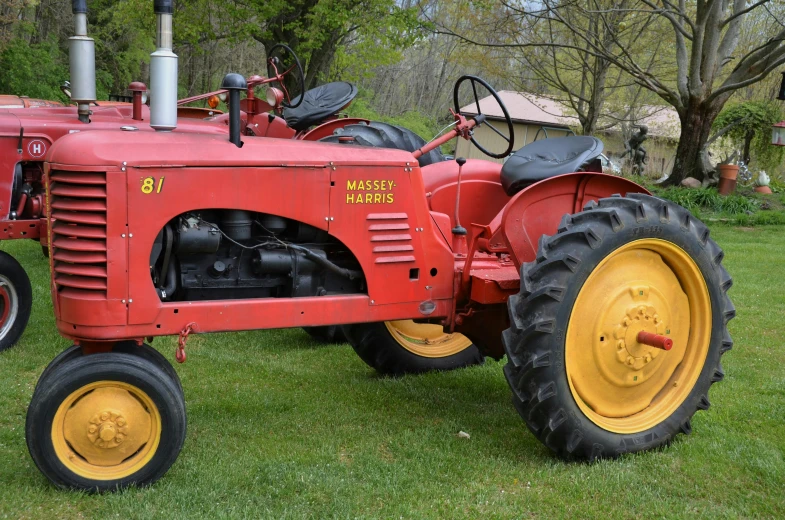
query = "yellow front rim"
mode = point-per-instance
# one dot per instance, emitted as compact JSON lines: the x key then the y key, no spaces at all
{"x":106,"y":430}
{"x":425,"y":339}
{"x":621,"y":385}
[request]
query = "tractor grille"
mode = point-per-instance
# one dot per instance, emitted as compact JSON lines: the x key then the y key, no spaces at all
{"x":78,"y":220}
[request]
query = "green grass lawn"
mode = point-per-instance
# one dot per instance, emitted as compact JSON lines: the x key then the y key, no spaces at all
{"x":282,"y":427}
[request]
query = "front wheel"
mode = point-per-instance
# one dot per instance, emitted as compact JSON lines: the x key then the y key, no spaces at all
{"x":105,"y":422}
{"x":16,"y":300}
{"x":405,"y":347}
{"x":584,"y":380}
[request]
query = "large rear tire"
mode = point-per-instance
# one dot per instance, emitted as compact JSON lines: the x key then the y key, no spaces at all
{"x":404,"y":347}
{"x":384,"y":135}
{"x":104,"y":422}
{"x":581,"y":381}
{"x":16,"y":300}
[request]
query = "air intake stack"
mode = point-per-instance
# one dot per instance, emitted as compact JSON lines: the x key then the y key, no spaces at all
{"x":81,"y":51}
{"x":163,"y":72}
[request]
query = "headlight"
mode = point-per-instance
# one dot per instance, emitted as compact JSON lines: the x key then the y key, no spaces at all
{"x":274,"y":97}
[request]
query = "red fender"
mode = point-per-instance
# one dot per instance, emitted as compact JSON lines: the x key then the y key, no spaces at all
{"x":328,"y":128}
{"x":538,"y":209}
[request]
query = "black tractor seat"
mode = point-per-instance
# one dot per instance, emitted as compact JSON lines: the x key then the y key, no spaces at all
{"x":547,"y":158}
{"x":319,"y":103}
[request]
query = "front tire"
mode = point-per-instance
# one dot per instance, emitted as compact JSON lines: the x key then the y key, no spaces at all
{"x":580,"y":379}
{"x":405,"y":347}
{"x":16,"y":300}
{"x":105,"y":422}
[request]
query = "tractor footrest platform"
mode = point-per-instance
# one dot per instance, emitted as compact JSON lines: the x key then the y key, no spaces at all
{"x":494,"y":285}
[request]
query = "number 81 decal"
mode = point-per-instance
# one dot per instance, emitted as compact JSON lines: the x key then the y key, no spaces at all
{"x":149,"y":185}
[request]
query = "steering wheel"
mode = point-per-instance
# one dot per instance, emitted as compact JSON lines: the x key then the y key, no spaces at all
{"x":275,"y":63}
{"x":482,"y":118}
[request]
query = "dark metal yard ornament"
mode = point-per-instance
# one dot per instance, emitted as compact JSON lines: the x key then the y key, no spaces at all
{"x":634,"y":147}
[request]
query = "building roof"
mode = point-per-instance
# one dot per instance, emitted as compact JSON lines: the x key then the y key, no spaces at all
{"x":529,"y":108}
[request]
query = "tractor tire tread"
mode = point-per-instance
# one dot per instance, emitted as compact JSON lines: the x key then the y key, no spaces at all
{"x":535,"y":370}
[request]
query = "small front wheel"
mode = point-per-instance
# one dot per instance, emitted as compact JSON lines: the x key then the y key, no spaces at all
{"x":105,"y":422}
{"x":16,"y":300}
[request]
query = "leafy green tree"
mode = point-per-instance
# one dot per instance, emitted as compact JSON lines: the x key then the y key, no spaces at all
{"x":748,"y":125}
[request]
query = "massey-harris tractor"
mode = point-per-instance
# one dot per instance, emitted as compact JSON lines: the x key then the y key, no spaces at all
{"x":27,"y":134}
{"x":611,"y":309}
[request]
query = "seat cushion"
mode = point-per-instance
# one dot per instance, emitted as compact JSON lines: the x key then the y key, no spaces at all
{"x":319,"y":103}
{"x":547,"y":158}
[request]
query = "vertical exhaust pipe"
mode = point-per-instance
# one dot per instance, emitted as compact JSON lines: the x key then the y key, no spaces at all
{"x":234,"y":83}
{"x":81,"y":55}
{"x":163,"y":71}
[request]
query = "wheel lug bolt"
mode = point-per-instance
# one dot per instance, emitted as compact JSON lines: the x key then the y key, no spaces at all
{"x":92,"y":429}
{"x":630,"y":360}
{"x":105,"y":416}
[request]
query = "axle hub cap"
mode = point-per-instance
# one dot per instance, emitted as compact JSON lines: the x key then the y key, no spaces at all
{"x":106,"y":430}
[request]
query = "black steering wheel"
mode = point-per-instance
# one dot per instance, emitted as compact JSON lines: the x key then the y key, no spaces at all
{"x":481,"y":118}
{"x":277,"y":66}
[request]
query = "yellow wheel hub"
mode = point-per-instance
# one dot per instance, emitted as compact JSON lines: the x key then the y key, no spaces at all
{"x":620,"y":384}
{"x":106,"y":430}
{"x":425,"y":339}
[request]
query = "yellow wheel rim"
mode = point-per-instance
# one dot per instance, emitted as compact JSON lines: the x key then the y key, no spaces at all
{"x":425,"y":339}
{"x":106,"y":430}
{"x":647,"y":285}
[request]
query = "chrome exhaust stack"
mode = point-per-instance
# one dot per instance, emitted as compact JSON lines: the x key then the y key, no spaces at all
{"x":163,"y":72}
{"x":81,"y":50}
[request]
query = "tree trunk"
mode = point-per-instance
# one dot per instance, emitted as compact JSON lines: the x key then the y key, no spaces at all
{"x":692,"y":159}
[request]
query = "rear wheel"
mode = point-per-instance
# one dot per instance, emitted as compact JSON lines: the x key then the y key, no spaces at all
{"x":326,"y":334}
{"x":405,"y":347}
{"x":581,"y":379}
{"x":16,"y":300}
{"x":105,"y":422}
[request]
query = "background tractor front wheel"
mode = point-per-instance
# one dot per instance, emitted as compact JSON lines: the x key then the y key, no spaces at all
{"x":16,"y":300}
{"x":105,"y":422}
{"x":583,"y":380}
{"x":405,"y":347}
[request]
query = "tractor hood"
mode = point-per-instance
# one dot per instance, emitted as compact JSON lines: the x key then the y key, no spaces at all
{"x":9,"y":101}
{"x":180,"y":149}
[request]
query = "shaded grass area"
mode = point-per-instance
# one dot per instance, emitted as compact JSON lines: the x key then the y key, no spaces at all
{"x":282,"y":427}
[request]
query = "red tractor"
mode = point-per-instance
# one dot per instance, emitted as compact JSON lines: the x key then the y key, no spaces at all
{"x":611,"y":309}
{"x":28,"y":128}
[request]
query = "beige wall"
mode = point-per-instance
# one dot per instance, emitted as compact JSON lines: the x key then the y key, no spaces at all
{"x":524,"y":134}
{"x":661,"y":151}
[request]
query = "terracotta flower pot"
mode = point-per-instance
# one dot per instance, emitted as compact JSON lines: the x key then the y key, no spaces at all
{"x":762,"y":189}
{"x":729,"y":171}
{"x":726,"y":186}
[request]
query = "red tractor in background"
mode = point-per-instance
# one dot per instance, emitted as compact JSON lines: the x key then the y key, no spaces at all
{"x":28,"y":128}
{"x":612,"y":310}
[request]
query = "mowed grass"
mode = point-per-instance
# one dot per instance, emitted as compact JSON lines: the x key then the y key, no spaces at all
{"x":283,"y":427}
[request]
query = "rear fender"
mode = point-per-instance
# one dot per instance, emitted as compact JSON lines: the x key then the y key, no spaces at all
{"x":482,"y":195}
{"x":329,"y":128}
{"x":538,"y":209}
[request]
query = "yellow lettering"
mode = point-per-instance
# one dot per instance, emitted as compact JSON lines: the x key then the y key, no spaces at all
{"x":392,"y":184}
{"x":349,"y":198}
{"x":389,"y":198}
{"x":351,"y":185}
{"x":376,"y":185}
{"x":367,"y":185}
{"x":377,"y":198}
{"x":368,"y":198}
{"x":359,"y":199}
